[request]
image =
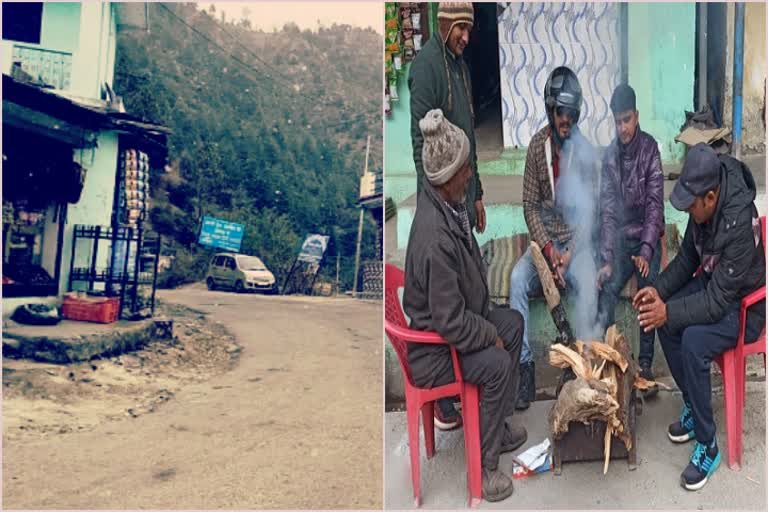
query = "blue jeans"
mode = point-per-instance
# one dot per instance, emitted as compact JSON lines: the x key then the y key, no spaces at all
{"x":689,"y":356}
{"x":523,"y":281}
{"x":623,"y":268}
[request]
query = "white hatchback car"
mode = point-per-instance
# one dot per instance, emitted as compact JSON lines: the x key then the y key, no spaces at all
{"x":240,"y":273}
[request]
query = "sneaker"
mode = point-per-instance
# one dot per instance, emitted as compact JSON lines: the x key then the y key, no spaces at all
{"x":514,"y":437}
{"x":681,"y":431}
{"x":704,"y":462}
{"x":446,"y":416}
{"x":647,"y":373}
{"x":497,"y":485}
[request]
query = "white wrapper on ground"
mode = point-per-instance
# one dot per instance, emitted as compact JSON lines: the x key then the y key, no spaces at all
{"x":534,"y":457}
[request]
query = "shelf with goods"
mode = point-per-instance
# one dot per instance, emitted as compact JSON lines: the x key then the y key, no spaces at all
{"x":406,"y":30}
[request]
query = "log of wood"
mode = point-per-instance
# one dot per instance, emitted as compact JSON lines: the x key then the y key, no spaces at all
{"x":551,"y":293}
{"x":607,"y":447}
{"x":581,"y":400}
{"x":605,"y":351}
{"x":603,"y":390}
{"x":561,"y":356}
{"x":641,"y":383}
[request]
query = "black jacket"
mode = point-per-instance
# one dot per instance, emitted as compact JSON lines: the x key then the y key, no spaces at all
{"x":445,"y":288}
{"x":729,"y":250}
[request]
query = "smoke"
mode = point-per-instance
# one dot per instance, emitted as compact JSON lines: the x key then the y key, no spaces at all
{"x":577,"y":198}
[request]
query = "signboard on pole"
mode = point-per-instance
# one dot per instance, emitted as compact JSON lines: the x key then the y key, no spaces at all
{"x":313,"y":248}
{"x":221,"y":234}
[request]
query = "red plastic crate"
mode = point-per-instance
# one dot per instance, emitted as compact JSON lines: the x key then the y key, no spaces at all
{"x":99,"y":310}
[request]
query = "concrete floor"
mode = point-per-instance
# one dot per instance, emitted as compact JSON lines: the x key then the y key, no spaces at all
{"x":653,"y":485}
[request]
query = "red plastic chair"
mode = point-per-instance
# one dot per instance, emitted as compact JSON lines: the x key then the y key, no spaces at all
{"x":733,"y":365}
{"x":422,"y":399}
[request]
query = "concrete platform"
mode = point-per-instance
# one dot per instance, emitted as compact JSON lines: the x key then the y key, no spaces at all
{"x":653,"y":485}
{"x":71,"y":341}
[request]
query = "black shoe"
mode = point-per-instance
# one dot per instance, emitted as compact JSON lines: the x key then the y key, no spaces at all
{"x":515,"y":436}
{"x":526,"y":392}
{"x":497,"y":485}
{"x":647,"y":373}
{"x":446,"y":415}
{"x":681,"y":431}
{"x":704,"y":462}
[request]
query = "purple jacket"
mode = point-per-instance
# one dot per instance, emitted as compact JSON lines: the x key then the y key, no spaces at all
{"x":631,"y":195}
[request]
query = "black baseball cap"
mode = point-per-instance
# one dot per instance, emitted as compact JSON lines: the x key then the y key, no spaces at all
{"x":701,"y":173}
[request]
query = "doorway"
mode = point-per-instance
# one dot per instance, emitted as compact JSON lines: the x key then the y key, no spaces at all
{"x":483,"y":61}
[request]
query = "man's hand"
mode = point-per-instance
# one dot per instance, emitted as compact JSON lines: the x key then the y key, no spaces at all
{"x":642,"y":265}
{"x":603,"y":275}
{"x":499,"y":343}
{"x":653,"y":310}
{"x":480,"y":211}
{"x":559,"y":261}
{"x":565,"y":259}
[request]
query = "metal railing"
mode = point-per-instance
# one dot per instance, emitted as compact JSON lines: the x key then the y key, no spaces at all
{"x":49,"y":66}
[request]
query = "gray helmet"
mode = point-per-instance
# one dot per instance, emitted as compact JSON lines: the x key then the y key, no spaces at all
{"x":562,"y":90}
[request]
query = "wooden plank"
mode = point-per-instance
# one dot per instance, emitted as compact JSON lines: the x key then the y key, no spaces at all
{"x":551,"y":293}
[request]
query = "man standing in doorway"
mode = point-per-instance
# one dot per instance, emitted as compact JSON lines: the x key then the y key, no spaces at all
{"x":695,"y":304}
{"x":440,"y":79}
{"x":632,"y":216}
{"x":545,"y":164}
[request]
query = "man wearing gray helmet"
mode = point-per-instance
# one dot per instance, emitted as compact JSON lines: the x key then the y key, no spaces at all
{"x":446,"y":291}
{"x":545,"y":164}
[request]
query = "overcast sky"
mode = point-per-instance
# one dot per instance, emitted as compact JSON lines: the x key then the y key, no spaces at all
{"x":270,"y":15}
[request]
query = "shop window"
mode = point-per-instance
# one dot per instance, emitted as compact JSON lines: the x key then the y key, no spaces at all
{"x":37,"y":185}
{"x":22,"y":21}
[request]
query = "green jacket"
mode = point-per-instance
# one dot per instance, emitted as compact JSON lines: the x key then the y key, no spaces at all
{"x":434,"y":68}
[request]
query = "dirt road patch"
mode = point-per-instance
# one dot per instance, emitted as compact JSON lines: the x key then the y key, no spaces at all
{"x":44,"y":398}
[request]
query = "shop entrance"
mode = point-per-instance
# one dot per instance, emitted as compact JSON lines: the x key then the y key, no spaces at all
{"x":482,"y":56}
{"x":36,"y":187}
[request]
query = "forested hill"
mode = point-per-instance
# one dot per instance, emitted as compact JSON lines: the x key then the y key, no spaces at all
{"x":269,"y":129}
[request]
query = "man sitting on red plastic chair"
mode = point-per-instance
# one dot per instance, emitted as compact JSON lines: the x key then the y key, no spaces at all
{"x":446,"y":291}
{"x":698,"y":317}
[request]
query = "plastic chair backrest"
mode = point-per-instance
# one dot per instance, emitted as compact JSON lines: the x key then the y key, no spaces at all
{"x":394,"y":278}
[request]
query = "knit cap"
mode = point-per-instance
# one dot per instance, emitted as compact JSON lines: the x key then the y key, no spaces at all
{"x":451,"y":13}
{"x":445,"y":149}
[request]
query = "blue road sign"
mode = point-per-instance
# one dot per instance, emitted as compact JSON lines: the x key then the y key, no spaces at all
{"x":221,"y":234}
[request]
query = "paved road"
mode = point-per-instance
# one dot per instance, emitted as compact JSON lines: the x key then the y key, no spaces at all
{"x":297,"y":424}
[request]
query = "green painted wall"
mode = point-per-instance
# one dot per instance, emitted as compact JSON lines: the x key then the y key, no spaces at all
{"x":661,"y":69}
{"x":88,"y":32}
{"x":502,"y":220}
{"x":61,"y":26}
{"x":95,"y":205}
{"x":398,"y":155}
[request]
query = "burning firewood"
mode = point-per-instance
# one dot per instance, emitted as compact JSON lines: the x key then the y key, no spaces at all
{"x":606,"y":375}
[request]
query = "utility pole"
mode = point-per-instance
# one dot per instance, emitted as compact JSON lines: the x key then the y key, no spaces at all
{"x":338,"y":257}
{"x":360,"y":224}
{"x":738,"y":77}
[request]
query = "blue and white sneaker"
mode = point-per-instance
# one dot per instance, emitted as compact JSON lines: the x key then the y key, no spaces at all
{"x":704,"y":462}
{"x":681,"y":431}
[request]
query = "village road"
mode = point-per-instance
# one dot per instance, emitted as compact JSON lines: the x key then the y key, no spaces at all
{"x":296,"y":424}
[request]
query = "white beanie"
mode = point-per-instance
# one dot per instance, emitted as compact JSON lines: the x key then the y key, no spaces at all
{"x":445,"y":149}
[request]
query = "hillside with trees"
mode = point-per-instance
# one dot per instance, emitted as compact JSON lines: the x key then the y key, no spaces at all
{"x":269,"y":130}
